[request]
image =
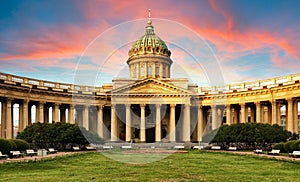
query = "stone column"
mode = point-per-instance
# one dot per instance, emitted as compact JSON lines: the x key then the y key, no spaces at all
{"x":37,"y":113}
{"x":200,"y":124}
{"x":46,"y":114}
{"x":55,"y":112}
{"x":161,"y":70}
{"x":63,"y":115}
{"x":153,"y":70}
{"x":258,"y":112}
{"x":3,"y":119}
{"x":86,"y":117}
{"x":252,"y":115}
{"x":228,"y":114}
{"x":139,"y":70}
{"x":168,"y":71}
{"x":128,"y":123}
{"x":214,"y":118}
{"x":100,"y":124}
{"x":243,"y":112}
{"x":274,"y":113}
{"x":278,"y":114}
{"x":157,"y":124}
{"x":235,"y":116}
{"x":289,"y":121}
{"x":295,"y":117}
{"x":269,"y":114}
{"x":146,"y":69}
{"x":41,"y":112}
{"x":172,"y":129}
{"x":21,"y":123}
{"x":186,"y":133}
{"x":71,"y":114}
{"x":143,"y":124}
{"x":9,"y":123}
{"x":114,"y":129}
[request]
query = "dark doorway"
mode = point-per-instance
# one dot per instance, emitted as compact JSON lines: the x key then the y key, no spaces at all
{"x":150,"y":135}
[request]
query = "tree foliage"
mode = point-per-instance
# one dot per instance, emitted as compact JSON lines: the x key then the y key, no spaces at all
{"x":58,"y":135}
{"x":248,"y":135}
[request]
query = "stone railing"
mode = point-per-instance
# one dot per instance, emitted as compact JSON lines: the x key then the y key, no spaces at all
{"x":238,"y":87}
{"x":253,"y":85}
{"x":55,"y":86}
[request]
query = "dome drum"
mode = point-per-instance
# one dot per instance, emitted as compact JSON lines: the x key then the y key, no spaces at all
{"x":149,"y":56}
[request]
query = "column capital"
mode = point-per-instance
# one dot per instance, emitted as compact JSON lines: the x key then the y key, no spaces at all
{"x":142,"y":105}
{"x":100,"y":106}
{"x":25,"y":101}
{"x":172,"y":105}
{"x":10,"y":99}
{"x":242,"y":104}
{"x":57,"y":104}
{"x":289,"y":99}
{"x":187,"y":105}
{"x":127,"y":105}
{"x":228,"y":105}
{"x":257,"y":103}
{"x":157,"y":105}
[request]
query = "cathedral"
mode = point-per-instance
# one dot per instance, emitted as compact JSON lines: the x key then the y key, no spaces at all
{"x":149,"y":105}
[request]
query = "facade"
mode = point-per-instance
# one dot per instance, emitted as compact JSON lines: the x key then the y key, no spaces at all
{"x":149,"y":105}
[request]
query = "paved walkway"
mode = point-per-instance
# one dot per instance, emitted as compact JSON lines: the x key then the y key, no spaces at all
{"x":278,"y":157}
{"x":36,"y":158}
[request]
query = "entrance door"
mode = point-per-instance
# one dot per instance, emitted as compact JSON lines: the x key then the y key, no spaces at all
{"x":150,"y":135}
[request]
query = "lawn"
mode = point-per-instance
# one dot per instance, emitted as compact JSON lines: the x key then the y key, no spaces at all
{"x":191,"y":166}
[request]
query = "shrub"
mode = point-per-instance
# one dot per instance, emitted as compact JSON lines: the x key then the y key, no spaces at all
{"x":21,"y":145}
{"x":57,"y":135}
{"x":279,"y":146}
{"x":6,"y":146}
{"x":247,"y":136}
{"x":287,"y":146}
{"x":295,"y":145}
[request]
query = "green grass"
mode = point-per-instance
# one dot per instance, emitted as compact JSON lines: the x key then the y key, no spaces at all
{"x":193,"y":166}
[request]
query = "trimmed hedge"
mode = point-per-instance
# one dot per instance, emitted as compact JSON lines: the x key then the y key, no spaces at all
{"x":248,"y":136}
{"x":58,"y":135}
{"x":7,"y":145}
{"x":21,"y":145}
{"x":288,"y":147}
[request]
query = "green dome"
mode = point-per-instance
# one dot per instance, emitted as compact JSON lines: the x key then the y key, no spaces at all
{"x":149,"y":44}
{"x":150,"y":39}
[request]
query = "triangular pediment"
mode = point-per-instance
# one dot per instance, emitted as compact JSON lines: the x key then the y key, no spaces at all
{"x":150,"y":86}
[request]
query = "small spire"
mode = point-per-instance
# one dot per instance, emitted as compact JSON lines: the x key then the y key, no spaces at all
{"x":149,"y":17}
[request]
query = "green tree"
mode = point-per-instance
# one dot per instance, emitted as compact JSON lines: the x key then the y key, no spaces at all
{"x":58,"y":135}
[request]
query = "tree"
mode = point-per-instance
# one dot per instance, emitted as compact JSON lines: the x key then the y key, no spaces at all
{"x":58,"y":135}
{"x":248,"y":135}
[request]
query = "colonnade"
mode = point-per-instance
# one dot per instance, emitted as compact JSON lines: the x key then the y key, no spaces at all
{"x":207,"y":117}
{"x":149,"y":69}
{"x":169,"y":119}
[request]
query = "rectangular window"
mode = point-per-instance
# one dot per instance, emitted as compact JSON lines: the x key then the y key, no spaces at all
{"x":149,"y":71}
{"x":157,"y":71}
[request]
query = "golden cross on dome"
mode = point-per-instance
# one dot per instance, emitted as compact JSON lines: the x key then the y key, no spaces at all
{"x":149,"y":13}
{"x":149,"y":17}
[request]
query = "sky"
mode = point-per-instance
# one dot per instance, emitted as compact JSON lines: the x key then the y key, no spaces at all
{"x":87,"y":42}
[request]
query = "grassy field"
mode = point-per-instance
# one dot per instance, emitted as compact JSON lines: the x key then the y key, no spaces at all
{"x":192,"y":166}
